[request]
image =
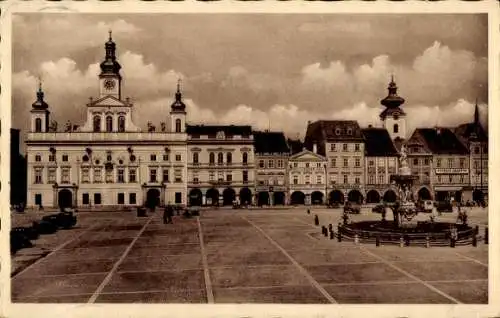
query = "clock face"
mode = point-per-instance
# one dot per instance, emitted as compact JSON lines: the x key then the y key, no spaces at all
{"x":109,"y":84}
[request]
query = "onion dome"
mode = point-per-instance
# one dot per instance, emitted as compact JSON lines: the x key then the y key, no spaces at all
{"x":393,"y":101}
{"x":110,"y":65}
{"x":40,"y":103}
{"x":178,"y":105}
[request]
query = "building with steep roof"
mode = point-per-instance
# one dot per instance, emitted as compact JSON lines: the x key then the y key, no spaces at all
{"x":342,"y":143}
{"x":271,"y":176}
{"x":307,"y":184}
{"x":381,"y":161}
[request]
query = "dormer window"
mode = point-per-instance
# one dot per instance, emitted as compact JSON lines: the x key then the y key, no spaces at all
{"x":337,"y":131}
{"x":349,"y":131}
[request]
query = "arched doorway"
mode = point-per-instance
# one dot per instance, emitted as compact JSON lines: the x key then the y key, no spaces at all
{"x":336,"y":196}
{"x":297,"y":197}
{"x":263,"y":198}
{"x":279,"y":198}
{"x":245,"y":196}
{"x":195,"y":197}
{"x":153,"y":198}
{"x":390,"y":196}
{"x":228,"y":196}
{"x":372,"y":196}
{"x":317,"y":197}
{"x":212,"y":197}
{"x":355,"y":196}
{"x":477,"y":195}
{"x":424,"y":194}
{"x":65,"y":198}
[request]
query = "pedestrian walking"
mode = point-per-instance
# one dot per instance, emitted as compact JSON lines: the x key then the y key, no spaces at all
{"x":165,"y":215}
{"x":170,"y":213}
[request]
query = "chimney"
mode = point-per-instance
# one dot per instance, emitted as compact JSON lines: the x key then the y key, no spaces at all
{"x":315,"y":148}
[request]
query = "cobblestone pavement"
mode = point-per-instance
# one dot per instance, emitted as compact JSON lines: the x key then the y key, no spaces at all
{"x":239,"y":256}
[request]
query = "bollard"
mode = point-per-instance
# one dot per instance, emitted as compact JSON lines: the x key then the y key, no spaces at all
{"x":427,"y":241}
{"x":401,"y":242}
{"x":486,"y":235}
{"x":324,"y":230}
{"x":476,"y":230}
{"x":474,"y":240}
{"x":330,"y":227}
{"x":377,"y":241}
{"x":316,"y":220}
{"x":332,"y":235}
{"x":308,"y":211}
{"x":339,"y":236}
{"x":407,"y":240}
{"x":452,"y":242}
{"x":356,"y":239}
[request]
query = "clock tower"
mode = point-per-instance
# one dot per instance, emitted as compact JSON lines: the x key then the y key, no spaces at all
{"x":110,"y":79}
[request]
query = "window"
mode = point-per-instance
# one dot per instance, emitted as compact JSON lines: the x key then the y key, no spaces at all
{"x":220,"y":158}
{"x":229,"y":177}
{"x":85,"y":198}
{"x":178,"y":158}
{"x":295,"y":179}
{"x":371,"y":179}
{"x":212,"y":158}
{"x":65,"y":158}
{"x":308,"y":179}
{"x":318,"y":165}
{"x":51,"y":177}
{"x":280,"y":163}
{"x":270,"y":164}
{"x":97,"y":123}
{"x":38,"y":175}
{"x":245,"y":176}
{"x":38,"y":158}
{"x":109,"y":124}
{"x":178,"y":197}
{"x":132,"y":175}
{"x":38,"y":199}
{"x":450,"y":163}
{"x":349,"y":131}
{"x":332,"y":147}
{"x":357,"y":162}
{"x":38,"y":125}
{"x":85,"y":158}
{"x":450,"y":178}
{"x":97,"y":198}
{"x":245,"y":158}
{"x":195,"y":177}
{"x":152,"y":157}
{"x":211,"y":176}
{"x":346,"y":179}
{"x":333,"y":163}
{"x":177,"y":125}
{"x":97,"y":175}
{"x":165,"y":157}
{"x":109,"y":176}
{"x":415,"y":161}
{"x":195,"y":157}
{"x":178,"y":175}
{"x":220,"y":176}
{"x":152,"y":175}
{"x":426,"y":161}
{"x":261,"y":163}
{"x":439,"y":179}
{"x":165,"y":175}
{"x":85,"y":175}
{"x":381,"y":179}
{"x":462,"y":163}
{"x":346,"y":162}
{"x":131,"y":198}
{"x":319,"y":180}
{"x":52,"y":158}
{"x":121,"y":175}
{"x":356,"y":147}
{"x":357,"y":180}
{"x":65,"y":175}
{"x":333,"y":179}
{"x":371,"y":162}
{"x":295,"y":164}
{"x":307,"y":164}
{"x":344,"y":147}
{"x":476,"y":150}
{"x":121,"y":124}
{"x":395,"y":128}
{"x":121,"y":198}
{"x":438,"y":163}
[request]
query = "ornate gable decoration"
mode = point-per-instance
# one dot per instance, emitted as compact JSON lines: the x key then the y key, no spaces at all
{"x":220,"y":135}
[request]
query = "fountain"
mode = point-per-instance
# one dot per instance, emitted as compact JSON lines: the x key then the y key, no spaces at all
{"x":404,"y":211}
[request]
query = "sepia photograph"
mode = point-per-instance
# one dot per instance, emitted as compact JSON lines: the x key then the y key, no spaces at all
{"x":257,"y":158}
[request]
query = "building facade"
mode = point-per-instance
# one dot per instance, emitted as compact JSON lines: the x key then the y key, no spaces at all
{"x":307,"y":178}
{"x":221,"y":165}
{"x":420,"y":160}
{"x":342,"y":144}
{"x":271,"y":163}
{"x":108,"y":160}
{"x":381,"y":161}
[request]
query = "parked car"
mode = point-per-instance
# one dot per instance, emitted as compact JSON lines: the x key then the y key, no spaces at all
{"x":334,"y":205}
{"x":30,"y":232}
{"x":378,"y":208}
{"x":45,"y":227}
{"x":444,"y":206}
{"x":18,"y":240}
{"x":352,"y":207}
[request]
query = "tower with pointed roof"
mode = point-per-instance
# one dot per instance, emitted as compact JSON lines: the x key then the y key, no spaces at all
{"x":393,"y":117}
{"x":40,"y":112}
{"x":178,"y":112}
{"x":110,"y":78}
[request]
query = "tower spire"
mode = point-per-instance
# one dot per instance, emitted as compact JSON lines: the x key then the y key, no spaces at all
{"x":178,"y":94}
{"x":40,"y":103}
{"x":110,"y":35}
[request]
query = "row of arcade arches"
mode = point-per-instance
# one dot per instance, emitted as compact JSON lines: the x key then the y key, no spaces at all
{"x":212,"y":196}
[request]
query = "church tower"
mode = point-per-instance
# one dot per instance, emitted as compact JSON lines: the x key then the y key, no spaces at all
{"x":178,"y":112}
{"x":40,"y":112}
{"x":393,"y":117}
{"x":110,"y":79}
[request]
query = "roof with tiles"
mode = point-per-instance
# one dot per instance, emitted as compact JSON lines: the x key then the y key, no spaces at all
{"x":378,"y":143}
{"x":267,"y":142}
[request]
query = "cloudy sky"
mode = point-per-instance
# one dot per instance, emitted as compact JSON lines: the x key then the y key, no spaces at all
{"x":276,"y":71}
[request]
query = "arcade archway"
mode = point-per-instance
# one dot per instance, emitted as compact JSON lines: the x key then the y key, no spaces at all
{"x":195,"y":197}
{"x":263,"y":198}
{"x":336,"y":196}
{"x":355,"y":196}
{"x":317,"y":197}
{"x":390,"y":196}
{"x":212,"y":197}
{"x":297,"y":197}
{"x":153,"y":198}
{"x":245,"y":196}
{"x":65,"y":198}
{"x":372,"y":196}
{"x":424,"y":194}
{"x":279,"y":198}
{"x":228,"y":196}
